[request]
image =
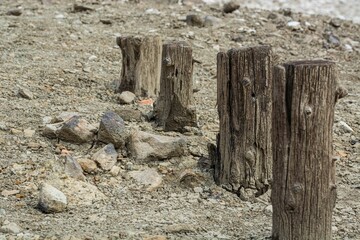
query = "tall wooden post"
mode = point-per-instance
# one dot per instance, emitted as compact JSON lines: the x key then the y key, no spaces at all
{"x":244,"y":157}
{"x":141,"y":65}
{"x":174,"y":108}
{"x":303,"y":189}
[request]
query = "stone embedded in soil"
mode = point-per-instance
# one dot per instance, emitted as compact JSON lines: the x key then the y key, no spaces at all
{"x":332,"y":39}
{"x":335,"y":22}
{"x":194,"y":20}
{"x":190,"y":179}
{"x":344,"y":127}
{"x":126,"y":97}
{"x":51,"y":200}
{"x":88,"y":165}
{"x":10,"y":227}
{"x":148,"y":177}
{"x":7,"y":193}
{"x":146,"y":146}
{"x":294,"y":25}
{"x":115,"y":170}
{"x":51,"y":130}
{"x":64,"y":116}
{"x":112,"y":130}
{"x":230,"y":7}
{"x":212,"y":21}
{"x":28,"y":133}
{"x":106,"y":157}
{"x":26,"y":93}
{"x":180,"y":228}
{"x":157,"y":237}
{"x":14,"y":12}
{"x":76,"y":130}
{"x":73,"y":168}
{"x":130,"y":115}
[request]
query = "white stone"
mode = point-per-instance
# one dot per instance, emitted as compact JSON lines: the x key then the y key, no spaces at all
{"x":294,"y":25}
{"x":51,"y":199}
{"x":345,"y":127}
{"x":10,"y":228}
{"x":106,"y":157}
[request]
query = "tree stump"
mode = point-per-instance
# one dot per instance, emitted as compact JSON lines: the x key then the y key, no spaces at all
{"x":141,"y":62}
{"x":303,"y":189}
{"x":244,"y":150}
{"x":174,"y":108}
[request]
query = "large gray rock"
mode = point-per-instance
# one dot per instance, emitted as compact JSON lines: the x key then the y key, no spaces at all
{"x":106,"y":157}
{"x":51,"y":200}
{"x":112,"y":130}
{"x":146,"y":146}
{"x":76,"y":130}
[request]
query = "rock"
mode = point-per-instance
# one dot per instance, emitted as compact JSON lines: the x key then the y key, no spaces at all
{"x":126,"y":97}
{"x":347,"y":48}
{"x":230,"y":7}
{"x":272,"y":16}
{"x":345,"y":127}
{"x":268,"y":210}
{"x":92,"y":57}
{"x":60,"y":16}
{"x":146,"y":146}
{"x":195,"y":20}
{"x":130,"y":115}
{"x":332,"y":39}
{"x":112,"y":130}
{"x":198,"y":189}
{"x":73,"y":168}
{"x":106,"y":157}
{"x":212,"y":21}
{"x":51,"y":200}
{"x":51,"y":130}
{"x":76,"y":130}
{"x":190,"y":179}
{"x":335,"y":22}
{"x":294,"y":25}
{"x":149,"y":177}
{"x":152,"y":11}
{"x":14,"y":12}
{"x":88,"y":165}
{"x":115,"y":170}
{"x":10,"y":227}
{"x":7,"y":193}
{"x":64,"y":116}
{"x":106,"y":21}
{"x":81,"y":8}
{"x":26,"y":93}
{"x":28,"y":133}
{"x":79,"y":193}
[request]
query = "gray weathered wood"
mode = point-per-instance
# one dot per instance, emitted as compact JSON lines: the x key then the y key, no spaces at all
{"x":244,"y":158}
{"x":303,"y":189}
{"x":174,"y":108}
{"x":141,"y":65}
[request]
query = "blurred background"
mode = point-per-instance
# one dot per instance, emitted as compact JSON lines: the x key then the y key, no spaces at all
{"x":344,"y":9}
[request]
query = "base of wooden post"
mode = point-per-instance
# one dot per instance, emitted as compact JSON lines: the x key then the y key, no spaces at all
{"x":174,"y":108}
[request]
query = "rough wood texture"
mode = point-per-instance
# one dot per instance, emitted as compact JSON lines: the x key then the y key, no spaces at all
{"x":174,"y":109}
{"x":140,"y":65}
{"x":244,"y":158}
{"x":304,"y":190}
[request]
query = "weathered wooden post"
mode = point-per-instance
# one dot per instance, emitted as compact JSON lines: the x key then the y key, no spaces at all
{"x":141,"y":63}
{"x":303,"y":189}
{"x":174,"y":108}
{"x":244,"y":152}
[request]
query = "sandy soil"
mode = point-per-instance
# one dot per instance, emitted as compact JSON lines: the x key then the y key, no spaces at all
{"x":69,"y":62}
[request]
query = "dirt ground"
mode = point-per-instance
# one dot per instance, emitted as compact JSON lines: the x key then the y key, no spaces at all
{"x":69,"y":61}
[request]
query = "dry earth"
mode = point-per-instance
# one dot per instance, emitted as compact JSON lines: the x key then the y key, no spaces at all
{"x":69,"y":62}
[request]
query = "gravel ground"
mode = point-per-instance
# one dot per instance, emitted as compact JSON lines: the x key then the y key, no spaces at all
{"x":61,"y":60}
